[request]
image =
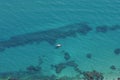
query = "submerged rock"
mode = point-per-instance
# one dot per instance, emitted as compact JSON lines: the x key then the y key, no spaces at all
{"x":85,"y":29}
{"x":89,"y":56}
{"x":77,"y":70}
{"x":59,"y":67}
{"x":66,"y":56}
{"x":112,"y":67}
{"x":93,"y":75}
{"x":72,"y":64}
{"x":33,"y":69}
{"x":117,"y":51}
{"x":118,"y":78}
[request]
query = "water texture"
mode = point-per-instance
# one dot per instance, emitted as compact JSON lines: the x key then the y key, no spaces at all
{"x":89,"y":32}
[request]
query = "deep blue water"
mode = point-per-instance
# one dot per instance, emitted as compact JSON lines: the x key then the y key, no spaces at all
{"x":28,"y":16}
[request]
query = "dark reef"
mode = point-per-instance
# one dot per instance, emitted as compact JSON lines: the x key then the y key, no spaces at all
{"x":67,"y":56}
{"x":59,"y":67}
{"x":33,"y":69}
{"x":112,"y":67}
{"x":87,"y":75}
{"x":118,"y":78}
{"x":72,"y":64}
{"x":89,"y":56}
{"x":50,"y":36}
{"x":115,"y":27}
{"x":117,"y":51}
{"x":93,"y":75}
{"x":102,"y":29}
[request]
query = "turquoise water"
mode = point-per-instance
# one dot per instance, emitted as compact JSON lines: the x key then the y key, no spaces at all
{"x":29,"y":16}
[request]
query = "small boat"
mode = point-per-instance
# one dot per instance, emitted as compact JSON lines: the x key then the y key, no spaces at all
{"x":58,"y":46}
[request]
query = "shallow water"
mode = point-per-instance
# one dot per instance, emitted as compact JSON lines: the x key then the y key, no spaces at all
{"x":58,"y":21}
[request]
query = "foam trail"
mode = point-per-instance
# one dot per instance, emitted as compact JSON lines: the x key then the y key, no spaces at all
{"x":49,"y":36}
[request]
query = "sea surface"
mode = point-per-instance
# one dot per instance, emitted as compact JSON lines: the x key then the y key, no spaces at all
{"x":92,"y":51}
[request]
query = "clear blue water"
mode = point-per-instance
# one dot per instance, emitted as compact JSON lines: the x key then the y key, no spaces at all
{"x":28,"y":16}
